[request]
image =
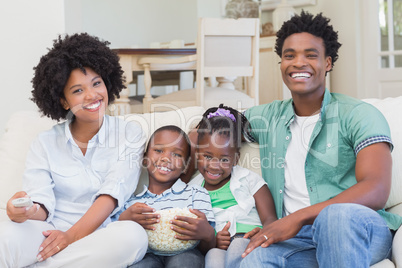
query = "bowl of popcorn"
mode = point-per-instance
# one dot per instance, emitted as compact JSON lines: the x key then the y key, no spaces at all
{"x":162,"y":240}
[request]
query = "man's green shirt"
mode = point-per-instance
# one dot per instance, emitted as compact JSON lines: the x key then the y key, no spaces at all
{"x":346,"y":126}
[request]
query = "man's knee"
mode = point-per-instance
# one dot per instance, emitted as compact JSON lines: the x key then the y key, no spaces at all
{"x":337,"y":215}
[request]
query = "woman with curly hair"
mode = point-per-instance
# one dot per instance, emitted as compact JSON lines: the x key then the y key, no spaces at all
{"x":79,"y":173}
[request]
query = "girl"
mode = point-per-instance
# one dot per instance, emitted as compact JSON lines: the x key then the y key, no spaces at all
{"x":166,"y":158}
{"x":80,"y":172}
{"x":241,"y":200}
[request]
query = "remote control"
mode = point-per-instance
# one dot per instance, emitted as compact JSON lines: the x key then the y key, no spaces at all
{"x":22,"y":202}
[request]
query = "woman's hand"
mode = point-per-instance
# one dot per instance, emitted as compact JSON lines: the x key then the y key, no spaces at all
{"x":141,"y":214}
{"x":55,"y":242}
{"x":223,"y":237}
{"x":23,"y":213}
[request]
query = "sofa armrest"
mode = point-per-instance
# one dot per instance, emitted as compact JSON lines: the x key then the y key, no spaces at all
{"x":397,"y":249}
{"x":397,"y":243}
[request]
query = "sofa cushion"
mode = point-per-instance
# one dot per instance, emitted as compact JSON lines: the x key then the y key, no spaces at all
{"x":391,"y":108}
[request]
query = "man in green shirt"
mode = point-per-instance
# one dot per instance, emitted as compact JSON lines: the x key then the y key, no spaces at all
{"x":327,"y":160}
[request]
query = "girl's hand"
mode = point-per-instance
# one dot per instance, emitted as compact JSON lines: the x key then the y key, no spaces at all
{"x":141,"y":214}
{"x":20,"y":214}
{"x":55,"y":242}
{"x":192,"y":228}
{"x":223,"y":237}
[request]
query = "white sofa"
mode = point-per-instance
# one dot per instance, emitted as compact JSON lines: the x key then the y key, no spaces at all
{"x":25,"y":125}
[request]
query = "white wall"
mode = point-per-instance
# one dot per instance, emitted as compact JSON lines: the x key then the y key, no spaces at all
{"x":127,"y":23}
{"x":27,"y":28}
{"x":344,"y":77}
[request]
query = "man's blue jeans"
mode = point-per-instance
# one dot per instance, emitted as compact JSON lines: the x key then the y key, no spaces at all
{"x":343,"y":235}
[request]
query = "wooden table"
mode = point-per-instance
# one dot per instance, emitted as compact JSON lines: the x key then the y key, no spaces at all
{"x":129,"y":62}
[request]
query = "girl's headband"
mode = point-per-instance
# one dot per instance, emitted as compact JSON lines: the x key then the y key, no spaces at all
{"x":222,"y":112}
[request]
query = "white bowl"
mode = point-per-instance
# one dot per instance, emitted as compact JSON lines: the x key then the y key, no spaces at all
{"x":161,"y":241}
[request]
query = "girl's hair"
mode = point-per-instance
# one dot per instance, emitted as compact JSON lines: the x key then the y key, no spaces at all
{"x":176,"y":129}
{"x":228,"y":122}
{"x":72,"y":52}
{"x":317,"y":26}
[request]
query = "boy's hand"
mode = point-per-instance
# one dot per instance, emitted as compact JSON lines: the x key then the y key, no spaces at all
{"x":223,"y":237}
{"x":23,"y":213}
{"x":141,"y":214}
{"x":192,"y":228}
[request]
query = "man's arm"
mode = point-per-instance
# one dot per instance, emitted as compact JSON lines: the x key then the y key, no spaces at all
{"x":373,"y":175}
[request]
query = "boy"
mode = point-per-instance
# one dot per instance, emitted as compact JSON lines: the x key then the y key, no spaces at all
{"x":166,"y":159}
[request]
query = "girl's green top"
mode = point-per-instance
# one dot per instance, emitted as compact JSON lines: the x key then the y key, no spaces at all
{"x":223,"y":198}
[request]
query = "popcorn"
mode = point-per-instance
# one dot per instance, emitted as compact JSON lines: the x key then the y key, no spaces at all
{"x":161,"y":241}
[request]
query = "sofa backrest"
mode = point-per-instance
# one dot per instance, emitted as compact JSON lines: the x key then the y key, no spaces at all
{"x":24,"y":126}
{"x":21,"y":129}
{"x":391,"y":108}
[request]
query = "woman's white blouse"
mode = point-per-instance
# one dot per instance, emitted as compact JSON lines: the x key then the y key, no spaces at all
{"x":67,"y":182}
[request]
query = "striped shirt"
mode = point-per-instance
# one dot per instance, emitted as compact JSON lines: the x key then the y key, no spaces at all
{"x":180,"y":195}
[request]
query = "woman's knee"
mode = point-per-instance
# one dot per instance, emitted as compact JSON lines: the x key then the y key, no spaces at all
{"x":20,"y":242}
{"x":130,"y":235}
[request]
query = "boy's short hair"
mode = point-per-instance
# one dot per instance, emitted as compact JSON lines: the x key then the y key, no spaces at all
{"x":176,"y":129}
{"x":317,"y":26}
{"x":72,"y":52}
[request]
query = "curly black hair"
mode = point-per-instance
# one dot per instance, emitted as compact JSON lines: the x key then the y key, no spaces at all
{"x":172,"y":128}
{"x":72,"y":52}
{"x":317,"y":26}
{"x":224,"y":125}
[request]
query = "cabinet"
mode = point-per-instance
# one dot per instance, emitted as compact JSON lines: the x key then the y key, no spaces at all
{"x":270,"y":81}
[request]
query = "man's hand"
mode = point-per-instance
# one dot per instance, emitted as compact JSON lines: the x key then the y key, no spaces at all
{"x":141,"y":214}
{"x":223,"y":237}
{"x":275,"y":232}
{"x":253,"y":232}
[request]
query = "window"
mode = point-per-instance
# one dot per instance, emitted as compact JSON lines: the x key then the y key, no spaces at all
{"x":390,"y":19}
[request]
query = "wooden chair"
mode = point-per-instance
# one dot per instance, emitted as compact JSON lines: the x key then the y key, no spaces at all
{"x":226,"y":49}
